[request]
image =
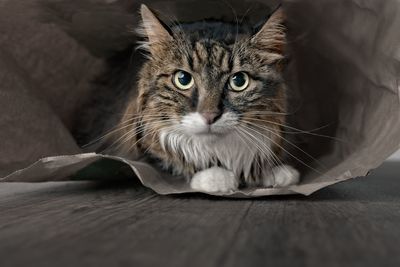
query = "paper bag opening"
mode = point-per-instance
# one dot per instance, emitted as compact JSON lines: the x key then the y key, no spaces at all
{"x":342,"y":79}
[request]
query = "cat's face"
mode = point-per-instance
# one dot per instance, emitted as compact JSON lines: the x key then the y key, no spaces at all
{"x":211,"y":79}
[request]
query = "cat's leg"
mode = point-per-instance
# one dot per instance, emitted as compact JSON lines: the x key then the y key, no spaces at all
{"x":215,"y":180}
{"x":281,"y":176}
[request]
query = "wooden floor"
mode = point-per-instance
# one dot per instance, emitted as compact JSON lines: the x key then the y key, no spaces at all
{"x":356,"y":223}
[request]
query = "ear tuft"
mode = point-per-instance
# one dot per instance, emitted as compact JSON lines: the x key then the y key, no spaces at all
{"x":152,"y":29}
{"x":272,"y":36}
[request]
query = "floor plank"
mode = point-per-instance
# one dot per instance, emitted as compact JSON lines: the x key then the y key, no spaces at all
{"x":356,"y":223}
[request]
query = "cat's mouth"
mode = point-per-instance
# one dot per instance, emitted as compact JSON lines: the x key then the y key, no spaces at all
{"x":195,"y":125}
{"x":209,"y":131}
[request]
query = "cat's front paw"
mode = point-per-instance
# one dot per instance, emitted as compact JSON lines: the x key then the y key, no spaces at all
{"x":282,"y":176}
{"x":214,"y":180}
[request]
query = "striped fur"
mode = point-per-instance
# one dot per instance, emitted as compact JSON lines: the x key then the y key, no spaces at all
{"x":167,"y":126}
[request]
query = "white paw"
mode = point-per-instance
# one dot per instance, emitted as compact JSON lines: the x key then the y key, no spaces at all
{"x":214,"y":180}
{"x":282,"y":176}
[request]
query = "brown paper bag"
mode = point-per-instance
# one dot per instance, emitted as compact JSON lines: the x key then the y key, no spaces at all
{"x":344,"y":76}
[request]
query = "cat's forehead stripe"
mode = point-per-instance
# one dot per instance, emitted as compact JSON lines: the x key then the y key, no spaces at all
{"x":200,"y":53}
{"x":211,"y":54}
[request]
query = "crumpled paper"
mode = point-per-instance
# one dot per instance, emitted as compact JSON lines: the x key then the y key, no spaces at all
{"x":343,"y":77}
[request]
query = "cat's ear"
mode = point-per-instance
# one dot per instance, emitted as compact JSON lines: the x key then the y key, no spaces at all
{"x":153,"y":29}
{"x":272,"y":35}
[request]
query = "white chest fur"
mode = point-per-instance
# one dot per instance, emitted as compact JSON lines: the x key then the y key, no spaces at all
{"x":233,"y":151}
{"x":236,"y":150}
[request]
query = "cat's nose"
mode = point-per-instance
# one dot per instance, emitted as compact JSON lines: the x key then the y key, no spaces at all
{"x":211,"y":117}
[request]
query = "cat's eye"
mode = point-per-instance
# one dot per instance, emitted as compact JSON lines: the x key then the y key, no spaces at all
{"x":183,"y":80}
{"x":239,"y":81}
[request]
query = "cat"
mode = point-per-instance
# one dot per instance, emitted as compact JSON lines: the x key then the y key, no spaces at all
{"x":209,"y":103}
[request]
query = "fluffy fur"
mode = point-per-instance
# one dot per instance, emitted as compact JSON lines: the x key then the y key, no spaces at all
{"x":243,"y":142}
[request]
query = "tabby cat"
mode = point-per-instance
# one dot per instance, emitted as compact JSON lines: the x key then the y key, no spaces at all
{"x":209,"y":103}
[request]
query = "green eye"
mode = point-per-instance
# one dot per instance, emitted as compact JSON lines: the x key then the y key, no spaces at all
{"x":239,"y":81}
{"x":183,"y":80}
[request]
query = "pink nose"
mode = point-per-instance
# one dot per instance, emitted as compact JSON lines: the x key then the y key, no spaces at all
{"x":211,"y":117}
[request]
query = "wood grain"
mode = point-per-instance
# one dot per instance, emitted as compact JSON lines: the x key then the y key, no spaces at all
{"x":356,"y":223}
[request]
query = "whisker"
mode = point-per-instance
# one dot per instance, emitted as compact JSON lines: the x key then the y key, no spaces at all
{"x":174,"y":130}
{"x":106,"y":135}
{"x":270,"y":139}
{"x":136,"y":130}
{"x":239,"y":131}
{"x":150,"y":133}
{"x":302,"y":131}
{"x":115,"y":129}
{"x":135,"y":113}
{"x":287,"y":141}
{"x":272,"y":160}
{"x":264,"y":113}
{"x":270,"y":153}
